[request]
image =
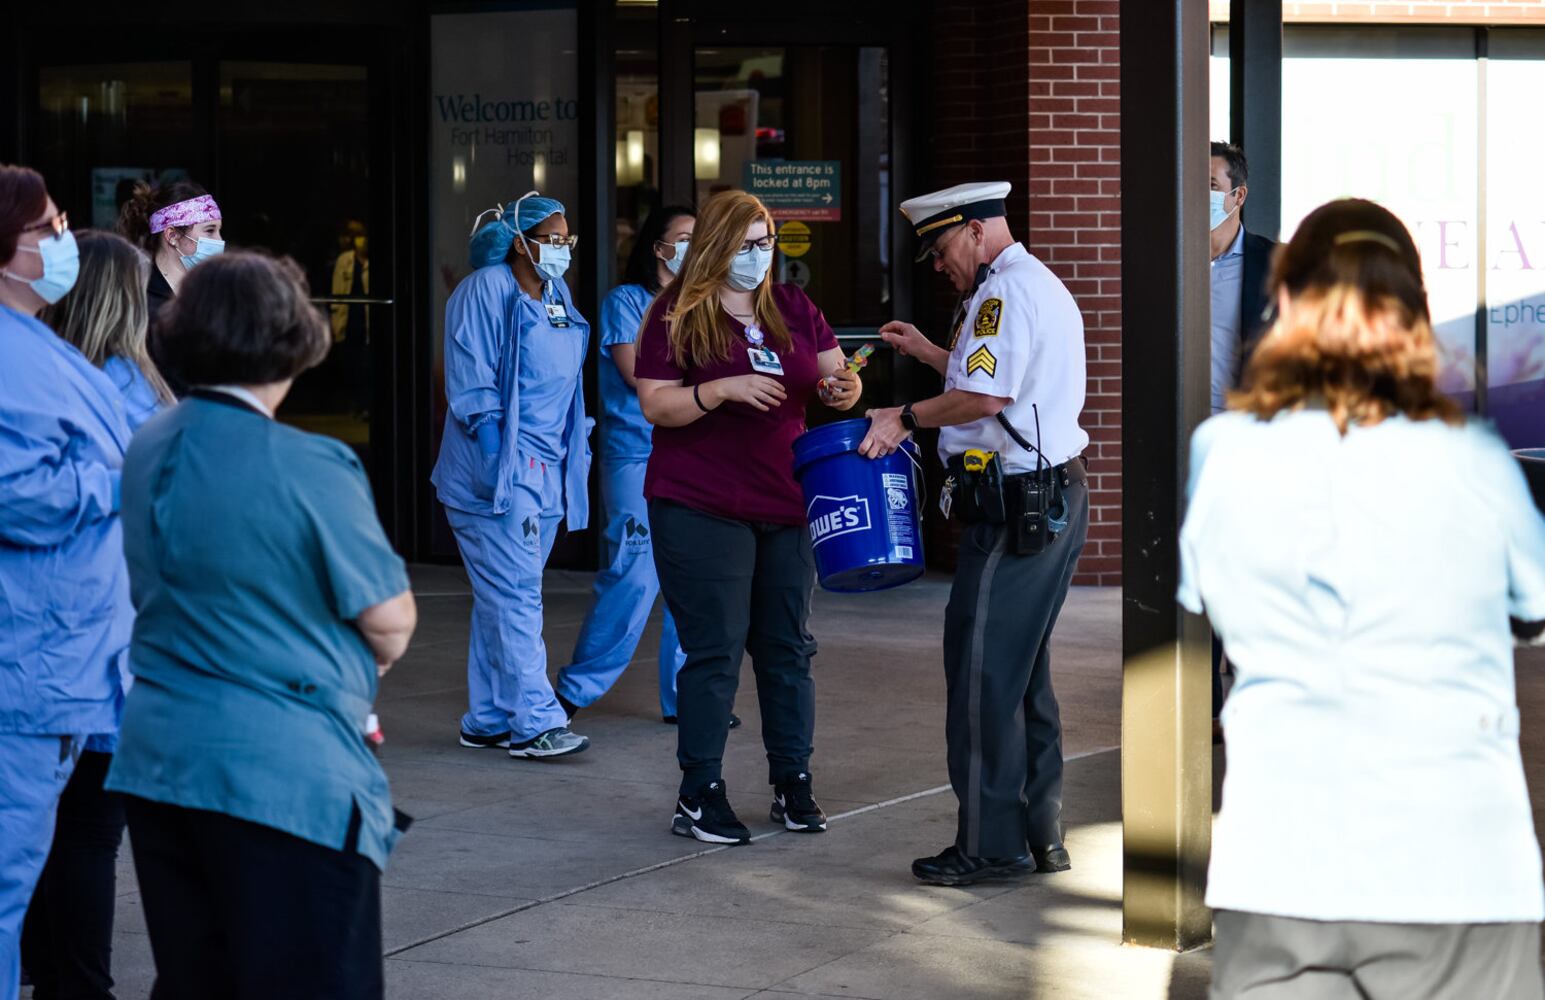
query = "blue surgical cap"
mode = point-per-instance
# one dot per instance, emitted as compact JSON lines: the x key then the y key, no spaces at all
{"x":491,"y":243}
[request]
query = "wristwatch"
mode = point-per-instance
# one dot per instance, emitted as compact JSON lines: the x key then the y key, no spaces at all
{"x":907,"y":419}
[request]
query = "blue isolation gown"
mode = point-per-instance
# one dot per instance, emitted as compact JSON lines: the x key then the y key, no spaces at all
{"x":514,"y":362}
{"x":65,"y":616}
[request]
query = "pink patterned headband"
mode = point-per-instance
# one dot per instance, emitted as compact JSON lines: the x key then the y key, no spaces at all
{"x":185,"y":213}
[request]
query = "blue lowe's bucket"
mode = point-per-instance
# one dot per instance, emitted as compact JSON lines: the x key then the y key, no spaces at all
{"x":863,"y":513}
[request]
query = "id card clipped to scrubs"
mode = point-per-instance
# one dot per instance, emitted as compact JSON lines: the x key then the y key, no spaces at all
{"x":764,"y":360}
{"x":557,"y":315}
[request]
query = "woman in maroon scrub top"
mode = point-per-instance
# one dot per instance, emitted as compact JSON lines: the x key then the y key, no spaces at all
{"x":727,"y":362}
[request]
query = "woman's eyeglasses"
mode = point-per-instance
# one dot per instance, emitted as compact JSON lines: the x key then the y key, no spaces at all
{"x":555,"y":240}
{"x":765,"y":243}
{"x":60,"y":224}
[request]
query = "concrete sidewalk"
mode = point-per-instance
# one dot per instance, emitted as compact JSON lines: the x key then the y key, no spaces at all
{"x":527,"y":879}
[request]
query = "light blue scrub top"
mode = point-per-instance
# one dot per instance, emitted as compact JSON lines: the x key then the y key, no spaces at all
{"x":64,"y":593}
{"x":253,"y":547}
{"x":505,"y":361}
{"x":1362,"y":585}
{"x":140,"y":401}
{"x":625,"y":434}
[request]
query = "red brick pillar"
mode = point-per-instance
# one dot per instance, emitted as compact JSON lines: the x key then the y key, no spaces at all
{"x":1075,"y":226}
{"x":1028,"y":91}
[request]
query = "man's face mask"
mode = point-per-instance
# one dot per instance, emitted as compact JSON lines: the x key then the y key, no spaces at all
{"x":1220,"y":215}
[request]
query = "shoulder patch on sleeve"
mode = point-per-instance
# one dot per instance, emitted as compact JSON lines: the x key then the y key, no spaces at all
{"x":988,"y":317}
{"x":981,"y":360}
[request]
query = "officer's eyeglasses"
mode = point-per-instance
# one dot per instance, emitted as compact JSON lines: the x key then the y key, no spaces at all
{"x":60,"y":224}
{"x":765,"y":243}
{"x":935,"y":252}
{"x":555,"y":240}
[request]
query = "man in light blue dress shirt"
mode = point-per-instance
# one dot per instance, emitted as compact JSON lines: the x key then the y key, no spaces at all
{"x":1240,"y":262}
{"x":1228,"y":270}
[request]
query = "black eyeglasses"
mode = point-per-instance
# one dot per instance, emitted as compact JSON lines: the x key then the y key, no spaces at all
{"x":60,"y":224}
{"x":555,"y":240}
{"x":934,"y":253}
{"x":765,"y":243}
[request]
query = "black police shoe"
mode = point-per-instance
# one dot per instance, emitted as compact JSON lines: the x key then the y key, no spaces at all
{"x":950,"y":867}
{"x":1051,"y":858}
{"x":707,"y":816}
{"x":794,"y":806}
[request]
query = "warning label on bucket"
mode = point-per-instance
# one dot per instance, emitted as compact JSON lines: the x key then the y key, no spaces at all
{"x":898,"y":514}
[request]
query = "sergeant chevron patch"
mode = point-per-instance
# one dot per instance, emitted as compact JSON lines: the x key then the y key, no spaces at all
{"x":981,"y":360}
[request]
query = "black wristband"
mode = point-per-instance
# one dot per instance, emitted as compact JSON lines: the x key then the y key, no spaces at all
{"x":699,"y":399}
{"x":908,"y":419}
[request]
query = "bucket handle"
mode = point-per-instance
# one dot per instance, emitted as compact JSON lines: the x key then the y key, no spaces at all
{"x":919,"y":481}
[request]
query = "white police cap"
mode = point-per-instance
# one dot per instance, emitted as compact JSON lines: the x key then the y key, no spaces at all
{"x":936,"y":213}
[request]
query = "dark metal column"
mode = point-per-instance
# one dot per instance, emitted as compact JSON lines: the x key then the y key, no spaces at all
{"x":1166,"y":706}
{"x":1255,"y":106}
{"x":678,"y":180}
{"x":597,"y":145}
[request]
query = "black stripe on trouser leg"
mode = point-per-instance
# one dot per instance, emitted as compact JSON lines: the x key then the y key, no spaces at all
{"x":965,"y":620}
{"x":1001,"y":612}
{"x":1043,"y":720}
{"x":781,"y":646}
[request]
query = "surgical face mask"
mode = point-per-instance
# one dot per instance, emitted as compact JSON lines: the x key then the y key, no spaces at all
{"x":206,"y":249}
{"x":673,"y":264}
{"x":1220,"y":215}
{"x":61,"y":266}
{"x":748,"y":269}
{"x":552,"y":262}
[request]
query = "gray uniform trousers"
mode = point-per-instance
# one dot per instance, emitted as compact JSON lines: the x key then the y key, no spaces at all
{"x":1002,"y":727}
{"x":1262,"y":957}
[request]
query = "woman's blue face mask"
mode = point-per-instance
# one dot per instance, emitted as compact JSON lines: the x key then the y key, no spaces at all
{"x":61,"y":266}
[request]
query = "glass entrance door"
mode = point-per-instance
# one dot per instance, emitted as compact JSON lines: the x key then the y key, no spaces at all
{"x":807,"y":129}
{"x":286,"y":148}
{"x":309,"y":123}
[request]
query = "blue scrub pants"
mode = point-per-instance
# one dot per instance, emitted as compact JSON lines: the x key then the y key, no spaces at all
{"x":625,"y":593}
{"x":33,"y":773}
{"x":507,"y":685}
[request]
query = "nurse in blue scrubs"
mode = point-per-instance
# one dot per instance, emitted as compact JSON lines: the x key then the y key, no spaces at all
{"x":626,"y":588}
{"x":514,"y":464}
{"x":64,"y":588}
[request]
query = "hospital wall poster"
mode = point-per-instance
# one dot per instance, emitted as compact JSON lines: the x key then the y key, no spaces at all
{"x":503,"y":119}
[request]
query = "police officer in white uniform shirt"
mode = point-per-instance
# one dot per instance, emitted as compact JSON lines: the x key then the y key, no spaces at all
{"x":1012,"y":447}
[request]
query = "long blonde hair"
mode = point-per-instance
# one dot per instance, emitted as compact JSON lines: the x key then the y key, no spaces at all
{"x":700,"y":332}
{"x":1358,"y":337}
{"x":105,"y":315}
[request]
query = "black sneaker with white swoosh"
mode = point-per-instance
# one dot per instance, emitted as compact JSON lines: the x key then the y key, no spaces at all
{"x":707,"y":816}
{"x":795,"y":807}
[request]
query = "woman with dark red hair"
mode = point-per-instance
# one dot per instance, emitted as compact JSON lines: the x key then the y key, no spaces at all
{"x":64,"y":589}
{"x":1368,"y":556}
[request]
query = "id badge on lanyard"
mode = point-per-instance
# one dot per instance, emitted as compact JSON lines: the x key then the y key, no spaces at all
{"x":557,"y":315}
{"x":764,"y":360}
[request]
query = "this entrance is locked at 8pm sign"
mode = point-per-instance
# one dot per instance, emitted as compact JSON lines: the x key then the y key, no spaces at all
{"x":797,"y":189}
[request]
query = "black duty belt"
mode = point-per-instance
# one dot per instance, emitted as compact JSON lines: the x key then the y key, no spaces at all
{"x":1075,"y":471}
